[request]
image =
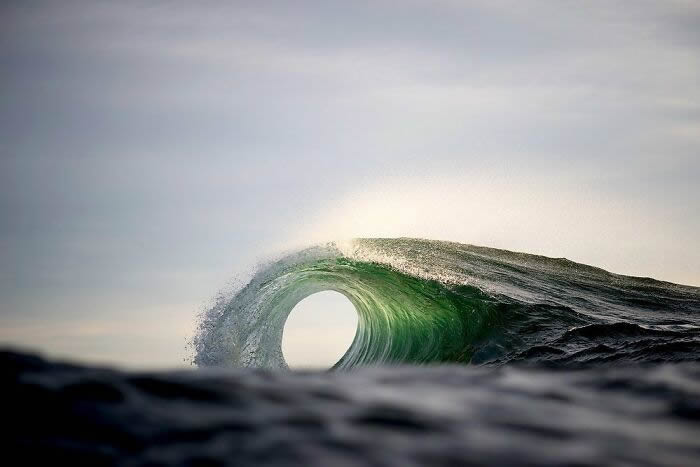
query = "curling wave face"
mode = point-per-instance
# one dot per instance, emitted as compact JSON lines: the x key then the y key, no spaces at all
{"x":423,"y":301}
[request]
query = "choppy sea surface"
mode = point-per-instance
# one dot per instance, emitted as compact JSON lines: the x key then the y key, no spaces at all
{"x":463,"y":355}
{"x":58,"y":414}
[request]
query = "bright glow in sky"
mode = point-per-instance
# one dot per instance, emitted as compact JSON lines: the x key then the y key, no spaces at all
{"x":151,"y":152}
{"x":319,"y":331}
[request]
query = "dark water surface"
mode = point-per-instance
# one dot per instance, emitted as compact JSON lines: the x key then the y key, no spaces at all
{"x":447,"y":415}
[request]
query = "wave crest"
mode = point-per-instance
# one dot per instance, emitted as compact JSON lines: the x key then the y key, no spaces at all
{"x":421,"y":301}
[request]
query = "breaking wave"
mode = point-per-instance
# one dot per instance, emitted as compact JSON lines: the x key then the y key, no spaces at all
{"x":427,"y":302}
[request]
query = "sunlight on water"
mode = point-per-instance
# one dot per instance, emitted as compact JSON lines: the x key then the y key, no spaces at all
{"x":319,"y":331}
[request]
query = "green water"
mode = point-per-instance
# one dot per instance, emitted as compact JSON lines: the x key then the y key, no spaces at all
{"x":429,"y":302}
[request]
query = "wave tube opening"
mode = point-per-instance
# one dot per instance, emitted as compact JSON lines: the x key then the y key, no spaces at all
{"x":319,"y":331}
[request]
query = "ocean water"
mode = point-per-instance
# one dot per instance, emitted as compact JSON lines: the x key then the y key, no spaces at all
{"x":431,"y":302}
{"x":463,"y":355}
{"x":447,"y":415}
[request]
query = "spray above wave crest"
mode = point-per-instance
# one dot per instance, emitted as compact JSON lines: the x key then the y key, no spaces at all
{"x":422,"y":301}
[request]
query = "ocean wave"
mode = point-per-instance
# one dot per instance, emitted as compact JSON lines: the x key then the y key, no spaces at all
{"x":427,"y":302}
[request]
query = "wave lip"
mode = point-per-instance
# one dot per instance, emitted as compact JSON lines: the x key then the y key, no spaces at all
{"x":423,"y":301}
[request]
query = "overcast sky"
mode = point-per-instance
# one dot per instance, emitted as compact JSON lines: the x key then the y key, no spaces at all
{"x":151,"y":151}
